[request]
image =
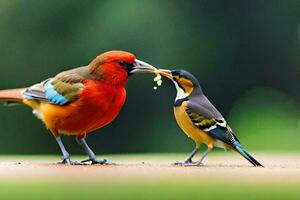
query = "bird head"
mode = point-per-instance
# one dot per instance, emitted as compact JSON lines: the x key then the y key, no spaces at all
{"x":115,"y":67}
{"x":184,"y":81}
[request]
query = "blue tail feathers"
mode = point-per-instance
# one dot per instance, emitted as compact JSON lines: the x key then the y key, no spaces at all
{"x":247,"y":155}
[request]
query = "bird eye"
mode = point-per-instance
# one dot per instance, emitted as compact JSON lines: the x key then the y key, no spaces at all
{"x":122,"y":62}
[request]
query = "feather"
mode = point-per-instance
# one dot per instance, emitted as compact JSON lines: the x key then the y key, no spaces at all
{"x":207,"y":118}
{"x":247,"y":155}
{"x":201,"y":105}
{"x":52,"y":95}
{"x":63,"y":88}
{"x":223,"y":135}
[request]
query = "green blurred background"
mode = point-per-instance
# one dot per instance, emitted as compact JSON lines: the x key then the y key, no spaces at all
{"x":244,"y":53}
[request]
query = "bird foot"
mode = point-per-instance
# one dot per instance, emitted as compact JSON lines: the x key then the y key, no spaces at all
{"x":95,"y":161}
{"x":188,"y":164}
{"x":68,"y":161}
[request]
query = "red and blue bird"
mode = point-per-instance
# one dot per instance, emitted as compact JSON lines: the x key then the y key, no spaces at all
{"x":81,"y":100}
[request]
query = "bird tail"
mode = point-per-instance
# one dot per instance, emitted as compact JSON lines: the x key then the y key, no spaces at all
{"x":11,"y":96}
{"x":247,"y":155}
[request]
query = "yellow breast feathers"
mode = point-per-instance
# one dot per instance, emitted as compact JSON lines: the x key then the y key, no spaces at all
{"x":190,"y":127}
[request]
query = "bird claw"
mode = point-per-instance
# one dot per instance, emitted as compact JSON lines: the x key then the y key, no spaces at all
{"x":188,"y":164}
{"x":95,"y":161}
{"x":68,"y":161}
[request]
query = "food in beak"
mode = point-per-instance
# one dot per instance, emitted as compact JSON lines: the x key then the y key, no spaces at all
{"x":159,"y":73}
{"x":165,"y":72}
{"x":142,"y":67}
{"x":157,"y":79}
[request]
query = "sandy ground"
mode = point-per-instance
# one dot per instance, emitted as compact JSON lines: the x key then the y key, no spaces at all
{"x":278,"y":168}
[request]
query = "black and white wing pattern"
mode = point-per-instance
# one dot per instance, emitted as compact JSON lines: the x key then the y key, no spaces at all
{"x":207,"y":118}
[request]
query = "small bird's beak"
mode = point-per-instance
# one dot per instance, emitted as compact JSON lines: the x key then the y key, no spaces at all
{"x":166,"y":73}
{"x":142,"y":67}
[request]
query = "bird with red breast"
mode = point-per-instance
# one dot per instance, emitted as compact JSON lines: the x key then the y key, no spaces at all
{"x":81,"y":100}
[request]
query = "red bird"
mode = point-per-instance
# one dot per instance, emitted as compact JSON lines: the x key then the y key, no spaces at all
{"x":81,"y":100}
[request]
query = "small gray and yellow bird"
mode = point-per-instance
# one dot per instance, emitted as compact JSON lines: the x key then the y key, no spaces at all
{"x":200,"y":120}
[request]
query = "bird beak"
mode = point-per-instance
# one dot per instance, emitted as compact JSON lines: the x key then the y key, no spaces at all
{"x":142,"y":67}
{"x":166,"y":73}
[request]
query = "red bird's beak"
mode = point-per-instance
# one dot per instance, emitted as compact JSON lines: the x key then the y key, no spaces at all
{"x":142,"y":67}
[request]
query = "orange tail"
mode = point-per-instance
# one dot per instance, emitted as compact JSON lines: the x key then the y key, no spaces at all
{"x":13,"y":95}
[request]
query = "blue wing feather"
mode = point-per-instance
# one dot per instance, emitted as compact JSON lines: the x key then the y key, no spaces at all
{"x":224,"y":135}
{"x":52,"y":95}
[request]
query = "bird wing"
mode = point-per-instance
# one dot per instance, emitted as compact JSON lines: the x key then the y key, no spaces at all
{"x":200,"y":104}
{"x":207,"y":118}
{"x":61,"y":89}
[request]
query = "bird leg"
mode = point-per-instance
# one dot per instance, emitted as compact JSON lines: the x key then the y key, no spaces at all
{"x":91,"y":154}
{"x":189,"y":160}
{"x":199,"y":162}
{"x":66,"y":156}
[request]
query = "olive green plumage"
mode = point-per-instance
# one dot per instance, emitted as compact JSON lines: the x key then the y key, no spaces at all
{"x":68,"y":90}
{"x":200,"y":121}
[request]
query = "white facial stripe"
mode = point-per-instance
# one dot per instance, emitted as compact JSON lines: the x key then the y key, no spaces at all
{"x":180,"y":93}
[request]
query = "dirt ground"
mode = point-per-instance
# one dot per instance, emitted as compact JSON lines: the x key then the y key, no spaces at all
{"x":221,"y":166}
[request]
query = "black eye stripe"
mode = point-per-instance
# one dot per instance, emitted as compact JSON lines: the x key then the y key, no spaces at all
{"x":125,"y":64}
{"x":122,"y":63}
{"x":130,"y":65}
{"x":179,"y":84}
